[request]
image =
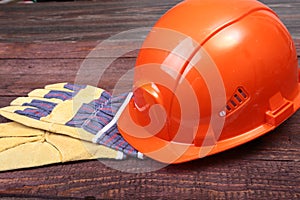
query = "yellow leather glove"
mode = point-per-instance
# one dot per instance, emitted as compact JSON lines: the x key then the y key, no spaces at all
{"x":23,"y":147}
{"x":79,"y":111}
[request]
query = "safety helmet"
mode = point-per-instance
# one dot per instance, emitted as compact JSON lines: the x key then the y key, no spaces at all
{"x":211,"y":75}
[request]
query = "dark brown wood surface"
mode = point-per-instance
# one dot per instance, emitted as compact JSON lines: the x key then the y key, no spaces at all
{"x":46,"y":43}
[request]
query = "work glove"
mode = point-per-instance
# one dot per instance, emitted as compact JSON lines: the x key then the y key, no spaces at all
{"x":79,"y":111}
{"x":23,"y":147}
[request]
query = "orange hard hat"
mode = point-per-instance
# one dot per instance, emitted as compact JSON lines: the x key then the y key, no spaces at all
{"x":211,"y":75}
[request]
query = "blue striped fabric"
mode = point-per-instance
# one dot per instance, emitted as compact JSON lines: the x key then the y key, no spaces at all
{"x":39,"y":109}
{"x":43,"y":105}
{"x":43,"y":108}
{"x":94,"y":116}
{"x":74,"y":87}
{"x":63,"y":95}
{"x":32,"y":113}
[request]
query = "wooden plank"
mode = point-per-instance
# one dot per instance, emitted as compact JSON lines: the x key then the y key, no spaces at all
{"x":68,"y":50}
{"x":65,"y":49}
{"x":205,"y":178}
{"x":88,"y":20}
{"x":47,"y":43}
{"x":46,"y":50}
{"x":28,"y":74}
{"x":77,"y":21}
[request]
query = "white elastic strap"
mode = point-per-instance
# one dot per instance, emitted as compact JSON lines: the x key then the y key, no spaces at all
{"x":120,"y":155}
{"x":140,"y":155}
{"x":114,"y":120}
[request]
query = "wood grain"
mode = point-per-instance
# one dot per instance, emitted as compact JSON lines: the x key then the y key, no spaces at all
{"x":46,"y":43}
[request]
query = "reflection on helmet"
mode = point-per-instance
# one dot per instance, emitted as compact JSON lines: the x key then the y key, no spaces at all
{"x":211,"y":75}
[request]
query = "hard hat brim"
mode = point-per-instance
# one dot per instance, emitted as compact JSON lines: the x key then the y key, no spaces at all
{"x":174,"y":152}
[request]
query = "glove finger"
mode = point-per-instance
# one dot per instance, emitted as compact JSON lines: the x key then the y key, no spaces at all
{"x":73,"y":149}
{"x":13,"y":113}
{"x":36,"y":106}
{"x":69,"y":87}
{"x":82,"y":95}
{"x":13,"y":134}
{"x":23,"y":147}
{"x":13,"y":129}
{"x":9,"y":113}
{"x":52,"y":94}
{"x":11,"y":142}
{"x":20,"y":101}
{"x":29,"y":154}
{"x":51,"y":111}
{"x":66,"y":91}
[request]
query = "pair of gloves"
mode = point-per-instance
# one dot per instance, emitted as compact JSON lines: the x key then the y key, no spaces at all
{"x":60,"y":123}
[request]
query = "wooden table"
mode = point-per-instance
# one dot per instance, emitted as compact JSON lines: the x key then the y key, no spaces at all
{"x":46,"y":43}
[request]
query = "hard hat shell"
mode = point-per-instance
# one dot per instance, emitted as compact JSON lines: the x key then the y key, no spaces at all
{"x":218,"y":73}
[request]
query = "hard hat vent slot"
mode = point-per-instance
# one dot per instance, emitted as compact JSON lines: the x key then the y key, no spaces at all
{"x":228,"y":108}
{"x":241,"y":92}
{"x":238,"y":98}
{"x":233,"y":103}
